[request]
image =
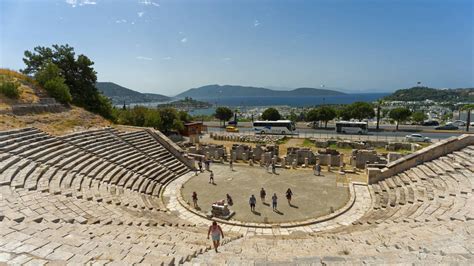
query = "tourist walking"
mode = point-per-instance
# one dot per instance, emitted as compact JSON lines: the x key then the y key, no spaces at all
{"x":195,"y":199}
{"x":229,"y":200}
{"x":273,"y":168}
{"x":289,"y":193}
{"x":252,"y":202}
{"x":317,"y":169}
{"x":263,"y":193}
{"x":215,"y":231}
{"x":231,"y":165}
{"x":207,"y":164}
{"x":200,"y":165}
{"x":211,"y":178}
{"x":274,"y":201}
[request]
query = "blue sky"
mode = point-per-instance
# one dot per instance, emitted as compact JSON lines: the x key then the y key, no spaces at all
{"x":169,"y":46}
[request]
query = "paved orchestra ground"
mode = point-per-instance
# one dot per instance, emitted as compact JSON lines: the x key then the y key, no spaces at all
{"x":313,"y":196}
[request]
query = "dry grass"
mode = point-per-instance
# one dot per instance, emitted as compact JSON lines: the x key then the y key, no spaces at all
{"x":55,"y":123}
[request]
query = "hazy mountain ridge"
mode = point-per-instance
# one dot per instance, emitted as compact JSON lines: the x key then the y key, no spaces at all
{"x":119,"y":94}
{"x":246,"y":91}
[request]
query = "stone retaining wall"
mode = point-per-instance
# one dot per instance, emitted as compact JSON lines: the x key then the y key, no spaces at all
{"x":424,"y":155}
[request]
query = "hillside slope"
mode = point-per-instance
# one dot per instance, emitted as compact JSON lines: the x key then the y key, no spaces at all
{"x":58,"y":123}
{"x":119,"y":94}
{"x":437,"y":95}
{"x":244,"y":91}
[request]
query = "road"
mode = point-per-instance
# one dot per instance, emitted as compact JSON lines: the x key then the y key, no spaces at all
{"x":388,"y":132}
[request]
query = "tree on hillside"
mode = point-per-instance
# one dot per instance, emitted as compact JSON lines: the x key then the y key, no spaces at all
{"x":271,"y":114}
{"x":418,"y":117}
{"x":78,"y":74}
{"x":400,"y":114}
{"x":223,"y":114}
{"x":49,"y":76}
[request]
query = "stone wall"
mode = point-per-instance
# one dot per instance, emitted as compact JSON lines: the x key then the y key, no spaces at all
{"x":424,"y":155}
{"x":359,"y":158}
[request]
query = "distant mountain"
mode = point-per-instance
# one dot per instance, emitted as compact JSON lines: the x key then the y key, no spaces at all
{"x":243,"y":91}
{"x":437,"y":95}
{"x":119,"y":94}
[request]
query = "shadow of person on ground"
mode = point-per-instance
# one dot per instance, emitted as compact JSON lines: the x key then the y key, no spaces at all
{"x":266,"y":204}
{"x":294,"y":206}
{"x":198,"y":208}
{"x":257,"y":213}
{"x":278,"y":212}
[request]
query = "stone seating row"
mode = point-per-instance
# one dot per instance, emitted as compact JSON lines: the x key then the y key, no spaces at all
{"x":57,"y":152}
{"x":437,"y":242}
{"x":98,"y":243}
{"x":123,"y":153}
{"x":436,"y":190}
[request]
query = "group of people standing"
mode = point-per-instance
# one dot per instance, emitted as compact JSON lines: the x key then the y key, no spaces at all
{"x":263,"y":194}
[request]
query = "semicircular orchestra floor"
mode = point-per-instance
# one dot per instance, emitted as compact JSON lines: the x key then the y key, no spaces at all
{"x":313,"y":196}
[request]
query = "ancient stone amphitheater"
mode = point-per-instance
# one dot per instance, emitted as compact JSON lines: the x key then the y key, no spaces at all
{"x":107,"y":196}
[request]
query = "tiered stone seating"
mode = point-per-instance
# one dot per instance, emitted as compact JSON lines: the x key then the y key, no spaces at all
{"x":107,"y":209}
{"x":437,"y":190}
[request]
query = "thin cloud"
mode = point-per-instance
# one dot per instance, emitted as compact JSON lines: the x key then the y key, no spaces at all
{"x":75,"y":3}
{"x":256,"y":23}
{"x":167,"y":58}
{"x":140,"y":14}
{"x":227,"y":58}
{"x":144,"y":58}
{"x":119,"y":21}
{"x":184,"y":40}
{"x":148,"y":3}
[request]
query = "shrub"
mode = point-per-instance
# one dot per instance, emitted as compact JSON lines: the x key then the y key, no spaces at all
{"x":58,"y":90}
{"x":10,"y":89}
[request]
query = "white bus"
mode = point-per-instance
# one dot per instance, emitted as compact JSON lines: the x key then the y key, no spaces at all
{"x":274,"y":127}
{"x":348,"y":127}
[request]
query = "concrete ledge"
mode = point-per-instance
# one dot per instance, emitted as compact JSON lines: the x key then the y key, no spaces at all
{"x":311,"y":221}
{"x":424,"y":155}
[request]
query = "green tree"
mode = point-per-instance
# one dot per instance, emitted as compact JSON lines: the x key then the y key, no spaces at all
{"x":178,"y":125}
{"x":361,"y":110}
{"x":326,"y":113}
{"x":49,"y":76}
{"x":293,"y":116}
{"x":78,"y":74}
{"x":400,"y":114}
{"x":223,"y":114}
{"x":168,"y":116}
{"x":271,"y":114}
{"x":152,"y":119}
{"x":57,"y":89}
{"x":418,"y":117}
{"x":184,"y":116}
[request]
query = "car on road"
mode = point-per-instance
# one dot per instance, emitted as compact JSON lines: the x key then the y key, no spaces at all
{"x":447,"y":127}
{"x":431,"y":123}
{"x":416,"y":138}
{"x":459,"y":123}
{"x":231,"y":129}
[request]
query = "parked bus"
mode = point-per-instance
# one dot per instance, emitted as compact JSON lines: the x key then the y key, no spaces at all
{"x":347,"y":127}
{"x":274,"y":127}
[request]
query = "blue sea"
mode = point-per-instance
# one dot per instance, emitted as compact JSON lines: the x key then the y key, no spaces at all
{"x":288,"y":101}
